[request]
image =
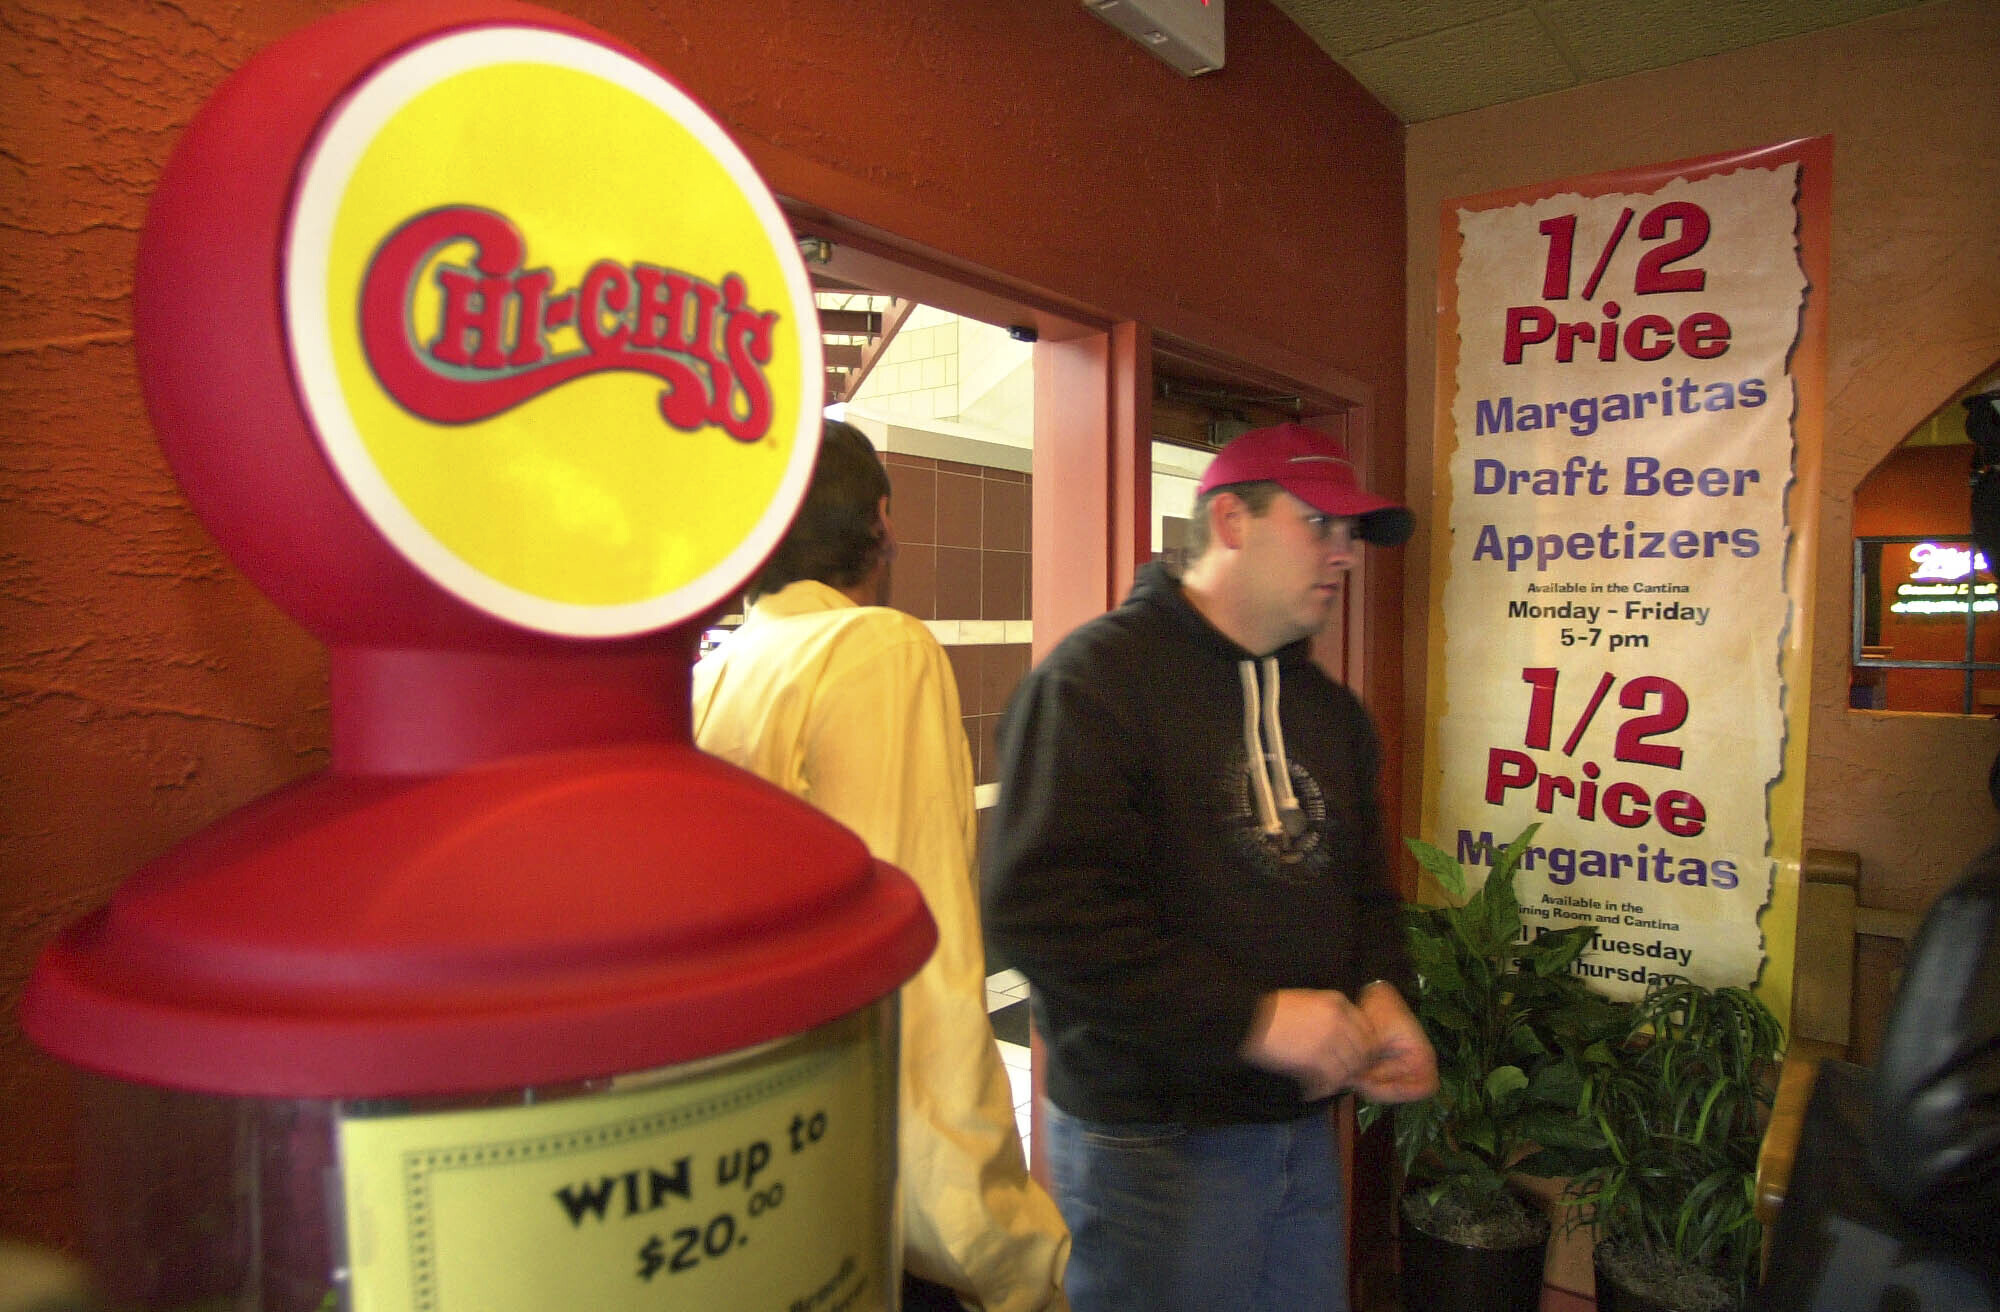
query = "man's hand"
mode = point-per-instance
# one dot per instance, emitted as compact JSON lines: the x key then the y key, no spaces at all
{"x":1316,"y":1036}
{"x":1402,"y":1067}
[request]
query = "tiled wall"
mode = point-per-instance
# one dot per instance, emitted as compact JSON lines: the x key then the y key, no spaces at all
{"x":963,"y":556}
{"x":986,"y":678}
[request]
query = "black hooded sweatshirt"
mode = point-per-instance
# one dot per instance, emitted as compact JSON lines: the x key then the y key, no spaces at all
{"x":1154,"y":874}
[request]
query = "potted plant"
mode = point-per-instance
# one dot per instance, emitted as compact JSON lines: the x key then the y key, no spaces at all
{"x":1516,"y":1034}
{"x":1682,"y":1112}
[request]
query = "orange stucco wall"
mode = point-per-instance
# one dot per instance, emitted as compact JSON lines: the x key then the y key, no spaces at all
{"x":1914,"y":317}
{"x":145,"y":689}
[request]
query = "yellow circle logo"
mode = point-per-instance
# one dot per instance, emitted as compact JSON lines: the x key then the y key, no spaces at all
{"x":552,"y":331}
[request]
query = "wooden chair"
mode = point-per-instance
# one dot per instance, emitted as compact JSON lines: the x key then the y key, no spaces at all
{"x":1822,"y":1012}
{"x":1843,"y":1246}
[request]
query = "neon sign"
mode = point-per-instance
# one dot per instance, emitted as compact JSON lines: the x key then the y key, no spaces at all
{"x":1941,"y":582}
{"x":1938,"y":560}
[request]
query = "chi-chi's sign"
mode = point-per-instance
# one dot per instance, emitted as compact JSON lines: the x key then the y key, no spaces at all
{"x":490,"y":350}
{"x":552,"y":332}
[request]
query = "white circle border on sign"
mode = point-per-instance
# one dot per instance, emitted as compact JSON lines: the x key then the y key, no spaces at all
{"x":324,"y":176}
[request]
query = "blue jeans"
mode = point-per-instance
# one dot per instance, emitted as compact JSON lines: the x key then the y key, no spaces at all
{"x":1180,"y":1218}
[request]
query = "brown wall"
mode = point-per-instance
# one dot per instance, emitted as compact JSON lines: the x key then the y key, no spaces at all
{"x":962,"y":535}
{"x":146,"y":690}
{"x":1915,"y":316}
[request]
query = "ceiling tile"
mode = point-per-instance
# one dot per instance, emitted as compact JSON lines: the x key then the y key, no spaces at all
{"x":1347,"y":27}
{"x":1506,"y":57}
{"x":1427,"y":58}
{"x":1612,"y":40}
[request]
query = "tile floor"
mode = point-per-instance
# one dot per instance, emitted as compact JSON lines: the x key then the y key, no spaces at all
{"x":1004,"y":990}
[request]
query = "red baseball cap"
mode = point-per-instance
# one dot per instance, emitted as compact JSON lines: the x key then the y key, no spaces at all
{"x":1314,"y":467}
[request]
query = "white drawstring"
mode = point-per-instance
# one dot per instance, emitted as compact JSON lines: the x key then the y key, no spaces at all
{"x":1253,"y":749}
{"x":1287,"y":799}
{"x":1278,"y":810}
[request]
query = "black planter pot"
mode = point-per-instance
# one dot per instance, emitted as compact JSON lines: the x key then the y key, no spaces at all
{"x":1440,"y":1276}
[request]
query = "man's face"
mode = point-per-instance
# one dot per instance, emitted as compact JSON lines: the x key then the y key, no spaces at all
{"x":1297,"y":560}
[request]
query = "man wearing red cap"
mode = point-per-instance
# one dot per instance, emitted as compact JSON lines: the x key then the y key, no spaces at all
{"x":1189,"y":869}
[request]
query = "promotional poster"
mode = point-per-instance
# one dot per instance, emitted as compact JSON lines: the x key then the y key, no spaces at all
{"x":1629,"y":403}
{"x":755,"y":1186}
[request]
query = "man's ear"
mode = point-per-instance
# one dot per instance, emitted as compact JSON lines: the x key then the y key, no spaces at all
{"x":884,"y":524}
{"x":1227,"y":516}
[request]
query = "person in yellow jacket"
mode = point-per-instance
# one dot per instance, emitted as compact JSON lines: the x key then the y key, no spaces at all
{"x":852,"y":706}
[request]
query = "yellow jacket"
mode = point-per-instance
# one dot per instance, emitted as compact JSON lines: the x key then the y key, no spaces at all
{"x":854,"y":709}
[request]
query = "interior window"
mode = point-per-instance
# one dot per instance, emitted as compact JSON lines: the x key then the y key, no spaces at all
{"x":1926,"y":605}
{"x":1926,"y":634}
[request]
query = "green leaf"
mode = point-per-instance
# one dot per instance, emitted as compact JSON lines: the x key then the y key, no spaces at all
{"x":1510,"y":857}
{"x":1557,"y":1131}
{"x":1554,"y":952}
{"x":1557,"y":1085}
{"x":1500,"y":917}
{"x":1436,"y":965}
{"x":1707,"y":1106}
{"x":1504,"y":1080}
{"x":1524,"y":1045}
{"x":1439,"y":865}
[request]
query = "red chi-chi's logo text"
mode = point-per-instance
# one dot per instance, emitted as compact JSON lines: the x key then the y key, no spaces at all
{"x":489,"y":350}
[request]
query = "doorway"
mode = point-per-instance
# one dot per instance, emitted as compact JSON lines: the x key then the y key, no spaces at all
{"x":1123,"y":423}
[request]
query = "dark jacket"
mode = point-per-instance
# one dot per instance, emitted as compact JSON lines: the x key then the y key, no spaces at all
{"x":1152,"y":888}
{"x":1934,"y":1140}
